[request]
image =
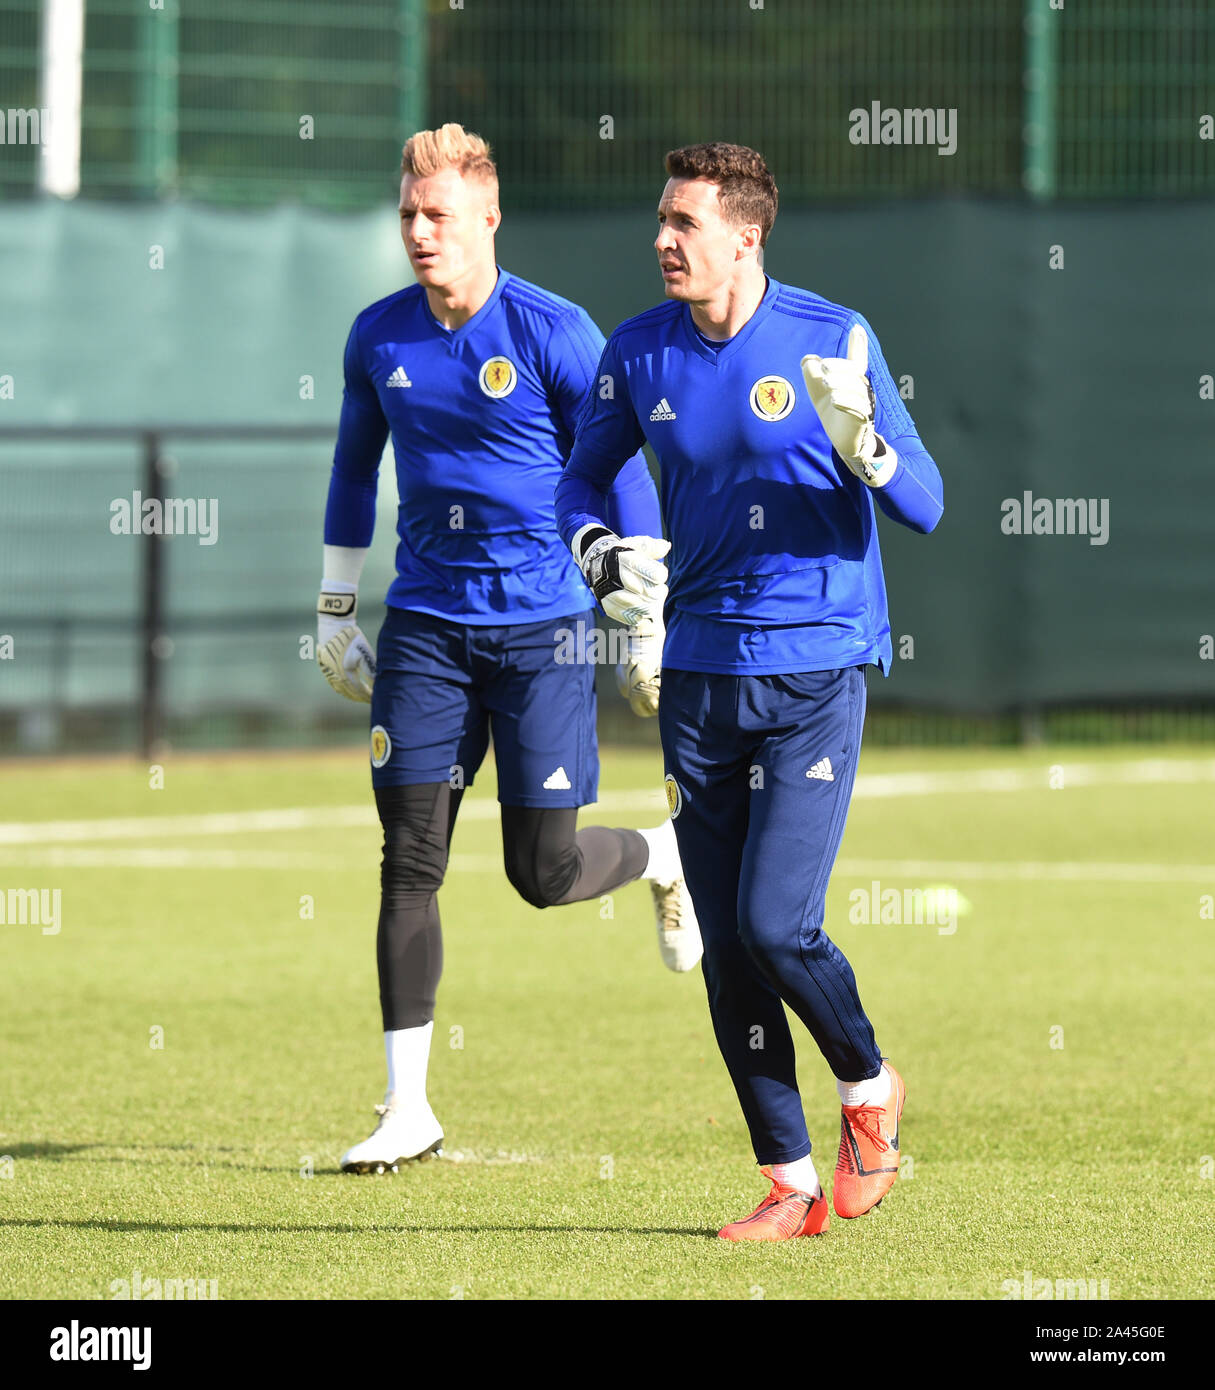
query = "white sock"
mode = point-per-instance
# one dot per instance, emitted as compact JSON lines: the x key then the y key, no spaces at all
{"x":408,"y":1051}
{"x":875,"y":1091}
{"x":800,"y":1174}
{"x":663,"y":864}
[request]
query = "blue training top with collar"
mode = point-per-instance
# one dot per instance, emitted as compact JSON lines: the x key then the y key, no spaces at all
{"x":482,"y":418}
{"x":774,"y":563}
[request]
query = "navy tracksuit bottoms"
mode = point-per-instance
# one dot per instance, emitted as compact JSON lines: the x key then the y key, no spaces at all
{"x":759,"y":776}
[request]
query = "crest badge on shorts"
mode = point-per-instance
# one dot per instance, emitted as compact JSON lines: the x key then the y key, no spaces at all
{"x":772,"y":398}
{"x":381,"y":746}
{"x":674,"y":796}
{"x":497,"y":377}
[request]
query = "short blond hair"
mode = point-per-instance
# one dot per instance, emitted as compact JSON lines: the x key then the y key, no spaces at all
{"x":449,"y":147}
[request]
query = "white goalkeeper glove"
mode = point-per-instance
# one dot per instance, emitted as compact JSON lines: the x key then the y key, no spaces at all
{"x":640,"y":676}
{"x":626,"y":575}
{"x":842,"y":394}
{"x":342,"y":652}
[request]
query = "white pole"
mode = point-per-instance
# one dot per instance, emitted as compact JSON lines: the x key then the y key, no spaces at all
{"x":60,"y":91}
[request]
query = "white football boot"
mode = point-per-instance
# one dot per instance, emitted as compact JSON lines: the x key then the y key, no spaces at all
{"x":678,"y":930}
{"x":403,"y":1134}
{"x":679,"y":933}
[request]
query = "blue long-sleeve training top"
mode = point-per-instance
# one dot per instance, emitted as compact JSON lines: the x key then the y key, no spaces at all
{"x":482,"y":418}
{"x":774,"y":562}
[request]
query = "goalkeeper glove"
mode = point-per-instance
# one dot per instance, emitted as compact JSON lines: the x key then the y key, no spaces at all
{"x":626,"y":576}
{"x":342,"y":652}
{"x":842,"y":394}
{"x":640,"y":676}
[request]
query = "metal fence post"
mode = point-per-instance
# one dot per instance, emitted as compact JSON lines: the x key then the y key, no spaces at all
{"x":1039,"y":131}
{"x":155,"y":641}
{"x":412,"y":24}
{"x":156,"y":110}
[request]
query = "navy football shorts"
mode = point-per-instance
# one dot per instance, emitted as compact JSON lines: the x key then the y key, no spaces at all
{"x":442,"y":688}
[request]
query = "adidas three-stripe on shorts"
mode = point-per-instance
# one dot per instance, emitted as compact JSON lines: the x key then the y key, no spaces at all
{"x":759,"y":778}
{"x":442,"y":688}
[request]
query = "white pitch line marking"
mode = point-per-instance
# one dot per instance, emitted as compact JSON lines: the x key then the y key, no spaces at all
{"x":1145,"y":771}
{"x":1140,"y":772}
{"x":245,"y":822}
{"x":932,"y":869}
{"x":248,"y":859}
{"x":1029,"y":870}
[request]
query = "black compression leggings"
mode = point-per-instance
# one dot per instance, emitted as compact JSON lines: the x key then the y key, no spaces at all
{"x":548,"y":862}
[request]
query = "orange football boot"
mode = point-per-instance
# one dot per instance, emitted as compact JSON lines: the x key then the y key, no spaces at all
{"x":784,"y":1213}
{"x":868,"y":1162}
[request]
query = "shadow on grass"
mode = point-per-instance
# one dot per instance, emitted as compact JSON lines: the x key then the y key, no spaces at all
{"x":48,"y":1150}
{"x":258,"y":1228}
{"x":86,"y":1153}
{"x":204,"y":1158}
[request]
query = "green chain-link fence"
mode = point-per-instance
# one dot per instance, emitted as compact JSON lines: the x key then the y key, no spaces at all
{"x":256,"y":101}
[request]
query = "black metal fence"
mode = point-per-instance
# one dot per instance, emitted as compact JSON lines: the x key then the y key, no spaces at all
{"x":147,"y":616}
{"x":231,"y":639}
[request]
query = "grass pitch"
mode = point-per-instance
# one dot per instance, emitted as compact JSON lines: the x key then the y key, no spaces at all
{"x":1057,"y":1045}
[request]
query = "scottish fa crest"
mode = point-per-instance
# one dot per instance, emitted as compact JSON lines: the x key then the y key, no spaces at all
{"x":381,"y":746}
{"x":497,"y":377}
{"x":772,"y":398}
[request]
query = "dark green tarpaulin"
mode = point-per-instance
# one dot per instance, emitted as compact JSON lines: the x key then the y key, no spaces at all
{"x":1080,"y":382}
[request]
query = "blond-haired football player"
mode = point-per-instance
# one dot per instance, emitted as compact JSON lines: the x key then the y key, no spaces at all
{"x":479,"y":377}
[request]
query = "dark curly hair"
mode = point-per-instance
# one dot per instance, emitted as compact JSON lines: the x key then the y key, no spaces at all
{"x":746,"y":189}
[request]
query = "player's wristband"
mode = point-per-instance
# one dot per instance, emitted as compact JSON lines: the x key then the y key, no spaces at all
{"x":337,"y":601}
{"x":879,"y":467}
{"x":597,"y":551}
{"x":586,"y":536}
{"x":336,"y":608}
